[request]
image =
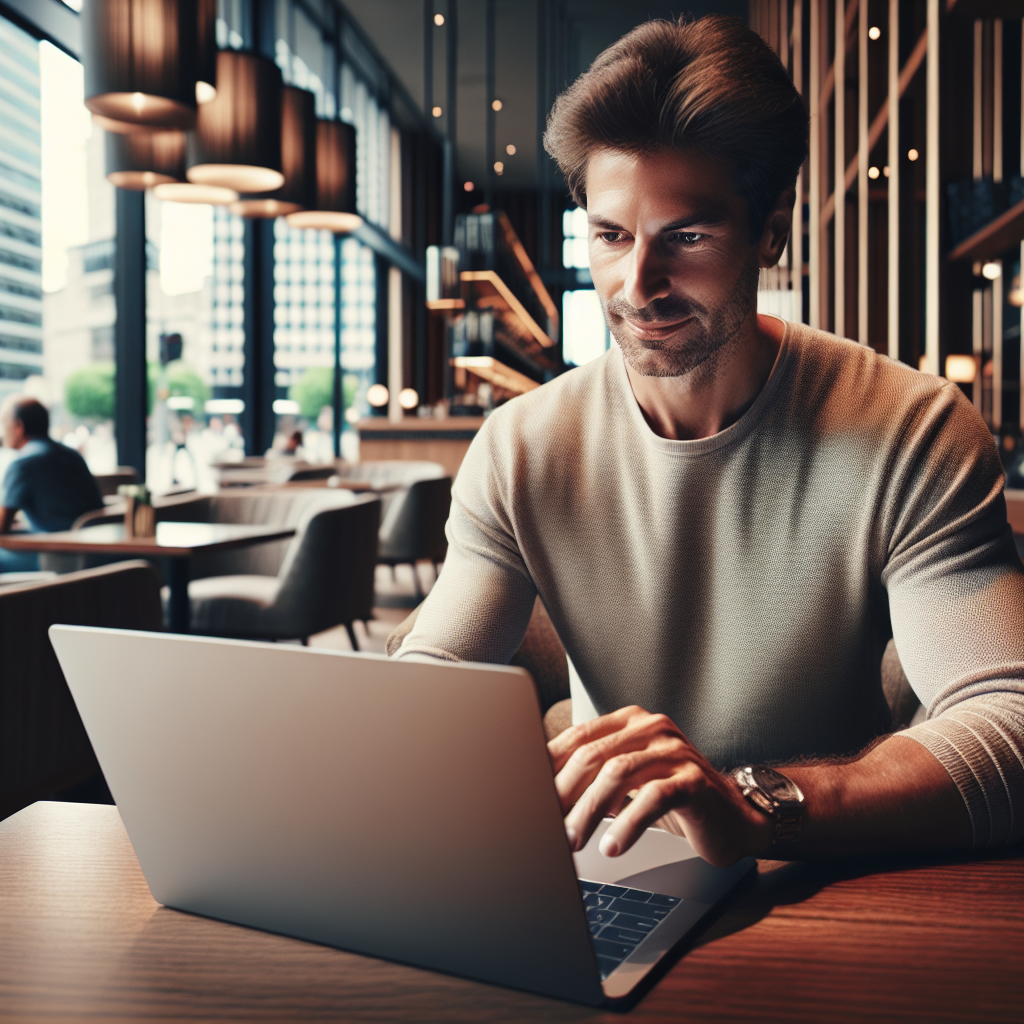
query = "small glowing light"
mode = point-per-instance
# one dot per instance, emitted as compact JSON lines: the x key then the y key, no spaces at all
{"x":138,"y":102}
{"x":377,"y":395}
{"x":352,"y":415}
{"x":873,"y":173}
{"x":510,"y":149}
{"x":961,"y":369}
{"x":438,"y":20}
{"x":885,"y":170}
{"x":499,"y":167}
{"x":992,"y":270}
{"x":496,"y":105}
{"x":205,"y":93}
{"x":469,"y":186}
{"x":912,"y":155}
{"x":436,"y":111}
{"x":408,"y":398}
{"x":1015,"y":296}
{"x":874,"y":32}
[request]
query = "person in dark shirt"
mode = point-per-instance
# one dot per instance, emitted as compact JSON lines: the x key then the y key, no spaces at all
{"x":49,"y":482}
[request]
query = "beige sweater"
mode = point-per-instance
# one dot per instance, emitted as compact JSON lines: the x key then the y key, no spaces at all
{"x":744,"y":584}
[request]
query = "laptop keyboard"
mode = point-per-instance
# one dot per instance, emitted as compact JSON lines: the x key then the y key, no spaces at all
{"x":620,"y":919}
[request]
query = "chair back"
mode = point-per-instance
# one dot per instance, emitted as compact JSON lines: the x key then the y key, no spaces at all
{"x":43,"y":744}
{"x":328,"y":574}
{"x":108,"y":483}
{"x":415,"y":522}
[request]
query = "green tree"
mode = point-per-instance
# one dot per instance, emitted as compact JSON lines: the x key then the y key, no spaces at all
{"x":313,"y":391}
{"x":89,"y":392}
{"x":182,"y":379}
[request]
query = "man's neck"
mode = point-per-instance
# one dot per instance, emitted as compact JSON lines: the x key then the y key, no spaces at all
{"x":705,"y":401}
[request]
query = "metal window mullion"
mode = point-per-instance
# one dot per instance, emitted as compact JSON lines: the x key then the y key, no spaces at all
{"x":894,"y":179}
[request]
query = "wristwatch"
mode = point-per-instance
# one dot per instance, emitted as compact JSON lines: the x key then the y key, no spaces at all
{"x":776,"y":795}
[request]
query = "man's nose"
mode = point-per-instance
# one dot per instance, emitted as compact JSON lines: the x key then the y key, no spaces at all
{"x":647,"y":276}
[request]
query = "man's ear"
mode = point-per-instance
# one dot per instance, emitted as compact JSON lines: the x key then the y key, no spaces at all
{"x":776,"y":230}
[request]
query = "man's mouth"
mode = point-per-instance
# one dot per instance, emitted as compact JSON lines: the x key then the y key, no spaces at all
{"x":656,"y":330}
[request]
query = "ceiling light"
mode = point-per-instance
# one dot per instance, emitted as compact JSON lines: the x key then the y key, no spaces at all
{"x":145,"y":159}
{"x":912,"y":155}
{"x":873,"y":173}
{"x":436,"y":111}
{"x":992,"y":270}
{"x":874,"y":32}
{"x":185,"y":192}
{"x":298,"y":161}
{"x":510,"y":149}
{"x":496,"y":104}
{"x":961,"y":369}
{"x":408,"y":398}
{"x":438,"y":20}
{"x":469,"y":186}
{"x":377,"y":395}
{"x":499,"y":167}
{"x":237,"y":141}
{"x":206,"y":51}
{"x":334,"y":206}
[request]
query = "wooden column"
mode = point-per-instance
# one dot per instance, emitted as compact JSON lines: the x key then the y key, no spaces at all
{"x":862,"y":173}
{"x":894,"y":179}
{"x":815,"y":166}
{"x":839,"y":172}
{"x":997,"y":176}
{"x":797,"y":240}
{"x":933,"y":252}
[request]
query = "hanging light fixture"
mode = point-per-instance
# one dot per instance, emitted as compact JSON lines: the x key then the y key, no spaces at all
{"x":335,"y":207}
{"x":206,"y":51}
{"x":139,"y":58}
{"x":237,"y":141}
{"x":298,"y":160}
{"x":186,"y":192}
{"x":145,"y":159}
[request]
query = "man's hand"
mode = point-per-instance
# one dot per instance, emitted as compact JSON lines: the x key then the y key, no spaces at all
{"x":601,"y":763}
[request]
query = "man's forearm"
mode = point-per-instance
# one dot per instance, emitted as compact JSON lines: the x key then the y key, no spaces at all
{"x":7,"y":518}
{"x":897,"y":796}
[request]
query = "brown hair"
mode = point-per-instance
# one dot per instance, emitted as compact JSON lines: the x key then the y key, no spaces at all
{"x":711,"y":85}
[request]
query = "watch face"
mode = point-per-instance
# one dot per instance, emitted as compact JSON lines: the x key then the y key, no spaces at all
{"x":777,"y":786}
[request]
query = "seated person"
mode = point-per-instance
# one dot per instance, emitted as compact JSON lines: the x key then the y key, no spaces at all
{"x":727,"y":515}
{"x":49,"y":482}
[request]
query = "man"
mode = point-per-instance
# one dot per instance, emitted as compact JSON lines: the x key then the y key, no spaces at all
{"x":47,"y":481}
{"x":724,"y":514}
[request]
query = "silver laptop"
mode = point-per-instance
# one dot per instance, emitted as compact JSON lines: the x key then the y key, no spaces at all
{"x":397,"y":809}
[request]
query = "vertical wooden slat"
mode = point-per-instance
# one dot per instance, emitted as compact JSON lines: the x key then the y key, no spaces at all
{"x":997,"y":175}
{"x":839,"y":172}
{"x":784,"y":52}
{"x":894,"y":179}
{"x":862,"y":173}
{"x":1021,"y":382}
{"x":979,"y":114}
{"x":814,"y":165}
{"x":797,"y":242}
{"x":932,"y":300}
{"x":977,"y":344}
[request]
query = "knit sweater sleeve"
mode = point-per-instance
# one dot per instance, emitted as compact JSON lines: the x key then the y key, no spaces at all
{"x":482,"y":602}
{"x":956,"y":598}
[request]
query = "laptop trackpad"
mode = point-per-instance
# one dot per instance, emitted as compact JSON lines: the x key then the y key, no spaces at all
{"x":657,"y":862}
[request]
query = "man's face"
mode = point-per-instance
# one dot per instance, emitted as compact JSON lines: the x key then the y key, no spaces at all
{"x":13,"y":430}
{"x":671,"y":257}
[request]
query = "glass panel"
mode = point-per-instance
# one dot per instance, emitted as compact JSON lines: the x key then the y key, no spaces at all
{"x":194,"y":309}
{"x":56,"y":248}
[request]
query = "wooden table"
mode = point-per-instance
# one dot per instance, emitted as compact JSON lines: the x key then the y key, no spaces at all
{"x":176,"y":542}
{"x":930,"y":940}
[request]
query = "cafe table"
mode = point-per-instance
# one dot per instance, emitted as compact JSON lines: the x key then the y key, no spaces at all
{"x":176,"y":543}
{"x":924,"y":938}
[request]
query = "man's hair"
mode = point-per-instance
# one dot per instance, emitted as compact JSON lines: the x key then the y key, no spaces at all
{"x":31,"y":414}
{"x":712,"y":86}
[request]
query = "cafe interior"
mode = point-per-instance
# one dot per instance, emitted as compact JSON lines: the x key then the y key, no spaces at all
{"x":271,"y":264}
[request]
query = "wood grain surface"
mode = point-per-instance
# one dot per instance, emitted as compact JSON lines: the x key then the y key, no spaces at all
{"x":80,"y":936}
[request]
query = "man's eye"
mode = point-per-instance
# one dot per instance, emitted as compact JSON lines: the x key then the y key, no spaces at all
{"x":610,"y":236}
{"x":688,"y":237}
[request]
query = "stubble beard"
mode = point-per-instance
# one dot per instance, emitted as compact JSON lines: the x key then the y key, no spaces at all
{"x":709,"y":331}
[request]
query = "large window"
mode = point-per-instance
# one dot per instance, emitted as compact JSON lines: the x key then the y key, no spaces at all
{"x":584,"y":331}
{"x":56,"y":247}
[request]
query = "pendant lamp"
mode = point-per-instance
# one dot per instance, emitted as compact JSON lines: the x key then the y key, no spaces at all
{"x":145,"y":159}
{"x":335,"y":208}
{"x":139,"y":58}
{"x":237,"y":141}
{"x":186,"y":192}
{"x":298,"y":161}
{"x":206,"y":51}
